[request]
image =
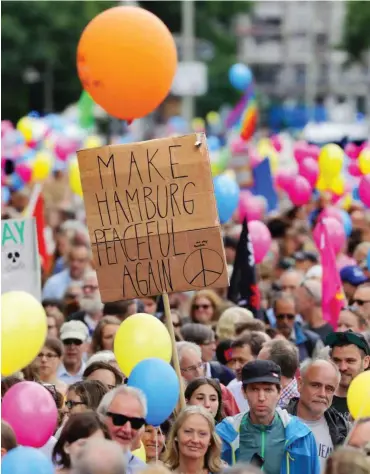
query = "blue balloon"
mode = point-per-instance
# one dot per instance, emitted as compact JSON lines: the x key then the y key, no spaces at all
{"x":368,"y":260}
{"x":159,"y":382}
{"x":178,"y":123}
{"x":26,"y":460}
{"x":240,"y":76}
{"x":227,"y":196}
{"x":5,"y":194}
{"x":347,"y":222}
{"x":34,"y":114}
{"x":214,"y":143}
{"x":355,"y":194}
{"x":16,"y":182}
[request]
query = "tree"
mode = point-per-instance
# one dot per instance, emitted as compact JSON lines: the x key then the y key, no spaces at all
{"x":356,"y":37}
{"x":43,"y":36}
{"x":213,"y":23}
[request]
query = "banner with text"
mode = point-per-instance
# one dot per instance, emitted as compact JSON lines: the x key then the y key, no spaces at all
{"x":20,"y":260}
{"x":152,"y":217}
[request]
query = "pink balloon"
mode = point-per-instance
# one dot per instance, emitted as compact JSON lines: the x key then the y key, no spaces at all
{"x":352,"y":151}
{"x":335,"y":231}
{"x":32,"y":413}
{"x":354,"y":169}
{"x":314,"y":151}
{"x":309,"y":169}
{"x":300,"y":191}
{"x":276,"y":143}
{"x":331,"y":211}
{"x":261,"y":239}
{"x":284,"y":179}
{"x":238,"y":146}
{"x":24,"y":172}
{"x":6,"y":125}
{"x":254,"y":158}
{"x":301,"y":150}
{"x":250,"y":207}
{"x":364,"y":190}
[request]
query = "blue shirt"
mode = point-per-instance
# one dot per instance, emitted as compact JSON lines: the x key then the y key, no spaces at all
{"x":133,"y":463}
{"x":56,"y":285}
{"x":66,"y":377}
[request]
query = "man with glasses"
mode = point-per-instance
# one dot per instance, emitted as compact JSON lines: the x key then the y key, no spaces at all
{"x":361,"y":300}
{"x":308,"y":297}
{"x":73,"y":334}
{"x":352,"y":277}
{"x":307,"y":342}
{"x":351,"y":354}
{"x":123,"y":410}
{"x":190,"y":360}
{"x":91,"y":306}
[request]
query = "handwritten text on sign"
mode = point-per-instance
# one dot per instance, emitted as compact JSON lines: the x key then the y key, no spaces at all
{"x":152,"y":217}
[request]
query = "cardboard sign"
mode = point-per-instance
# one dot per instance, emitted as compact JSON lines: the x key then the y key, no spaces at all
{"x":20,"y":261}
{"x":152,"y":217}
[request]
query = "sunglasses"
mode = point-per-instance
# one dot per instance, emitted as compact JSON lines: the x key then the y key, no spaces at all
{"x":69,"y":342}
{"x":359,"y":302}
{"x":121,"y":420}
{"x":71,"y":403}
{"x":202,"y":306}
{"x":288,"y":316}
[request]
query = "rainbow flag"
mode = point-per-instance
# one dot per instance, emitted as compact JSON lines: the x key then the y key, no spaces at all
{"x":247,"y":112}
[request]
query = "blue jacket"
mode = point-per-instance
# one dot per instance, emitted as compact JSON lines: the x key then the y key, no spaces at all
{"x":300,"y":456}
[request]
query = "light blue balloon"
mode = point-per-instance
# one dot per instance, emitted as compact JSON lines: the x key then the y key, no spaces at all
{"x":368,"y":260}
{"x":16,"y":182}
{"x":26,"y":460}
{"x":240,"y":76}
{"x":158,"y":381}
{"x":227,"y":196}
{"x":214,"y":143}
{"x":178,"y":123}
{"x":347,"y":222}
{"x":5,"y":194}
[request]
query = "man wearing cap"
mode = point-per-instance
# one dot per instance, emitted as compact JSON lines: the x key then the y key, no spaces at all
{"x":266,"y":435}
{"x":351,"y":354}
{"x":352,"y":277}
{"x":73,"y":334}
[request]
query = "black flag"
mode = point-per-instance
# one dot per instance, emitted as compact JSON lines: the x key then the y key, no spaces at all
{"x":243,"y":289}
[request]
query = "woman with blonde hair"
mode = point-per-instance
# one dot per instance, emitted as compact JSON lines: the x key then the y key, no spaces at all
{"x":205,"y":307}
{"x":347,"y":460}
{"x":193,"y":444}
{"x":230,"y":318}
{"x":103,"y":335}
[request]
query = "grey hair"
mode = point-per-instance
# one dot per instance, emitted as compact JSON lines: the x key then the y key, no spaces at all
{"x":281,"y":295}
{"x":184,"y":346}
{"x":313,"y":288}
{"x":101,"y":356}
{"x":311,"y":362}
{"x":89,"y":273}
{"x":108,"y":398}
{"x":242,"y":469}
{"x":100,"y":457}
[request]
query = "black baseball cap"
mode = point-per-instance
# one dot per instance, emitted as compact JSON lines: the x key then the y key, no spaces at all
{"x":261,"y":371}
{"x":346,"y":338}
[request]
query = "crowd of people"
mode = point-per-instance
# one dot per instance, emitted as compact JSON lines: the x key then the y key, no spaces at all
{"x":266,"y":393}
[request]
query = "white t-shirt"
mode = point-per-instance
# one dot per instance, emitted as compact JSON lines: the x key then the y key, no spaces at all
{"x":236,"y":389}
{"x":320,"y":430}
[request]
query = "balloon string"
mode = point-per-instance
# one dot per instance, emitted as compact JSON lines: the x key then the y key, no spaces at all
{"x":156,"y":445}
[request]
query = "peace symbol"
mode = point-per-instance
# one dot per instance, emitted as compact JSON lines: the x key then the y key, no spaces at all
{"x":203,"y":267}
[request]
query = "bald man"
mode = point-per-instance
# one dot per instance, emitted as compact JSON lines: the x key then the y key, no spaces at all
{"x":308,"y":298}
{"x":101,"y":457}
{"x":317,"y":384}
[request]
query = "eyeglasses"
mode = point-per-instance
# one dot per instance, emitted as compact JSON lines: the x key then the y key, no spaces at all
{"x":360,"y":302}
{"x":193,"y":368}
{"x":121,"y":420}
{"x":282,"y":316}
{"x":71,"y":403}
{"x":48,"y":355}
{"x":70,"y":342}
{"x":202,"y":306}
{"x":90,"y":287}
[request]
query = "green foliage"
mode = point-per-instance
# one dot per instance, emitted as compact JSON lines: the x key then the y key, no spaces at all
{"x":356,"y":38}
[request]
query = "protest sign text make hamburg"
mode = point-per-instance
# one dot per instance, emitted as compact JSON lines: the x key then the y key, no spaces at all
{"x":152,"y":218}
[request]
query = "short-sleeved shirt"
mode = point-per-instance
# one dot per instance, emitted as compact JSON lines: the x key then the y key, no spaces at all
{"x":320,"y":430}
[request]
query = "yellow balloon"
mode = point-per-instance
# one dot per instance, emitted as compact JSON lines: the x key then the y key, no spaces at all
{"x":93,"y":142}
{"x":347,"y":202}
{"x":140,"y":337}
{"x":24,"y":125}
{"x":337,"y":185}
{"x":140,"y":453}
{"x":364,"y":161}
{"x":358,"y":396}
{"x":23,"y":330}
{"x":41,"y":166}
{"x":321,"y":184}
{"x":198,"y":124}
{"x":331,"y":160}
{"x":74,"y":178}
{"x":213,"y":118}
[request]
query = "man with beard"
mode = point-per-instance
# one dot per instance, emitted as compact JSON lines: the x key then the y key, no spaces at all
{"x":317,"y":384}
{"x":91,"y":306}
{"x":351,"y":354}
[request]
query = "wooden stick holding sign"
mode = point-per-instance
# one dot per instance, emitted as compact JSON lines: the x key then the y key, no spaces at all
{"x":175,"y":357}
{"x":152,"y":219}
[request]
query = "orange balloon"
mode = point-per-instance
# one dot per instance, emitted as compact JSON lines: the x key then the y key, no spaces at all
{"x":126,"y":61}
